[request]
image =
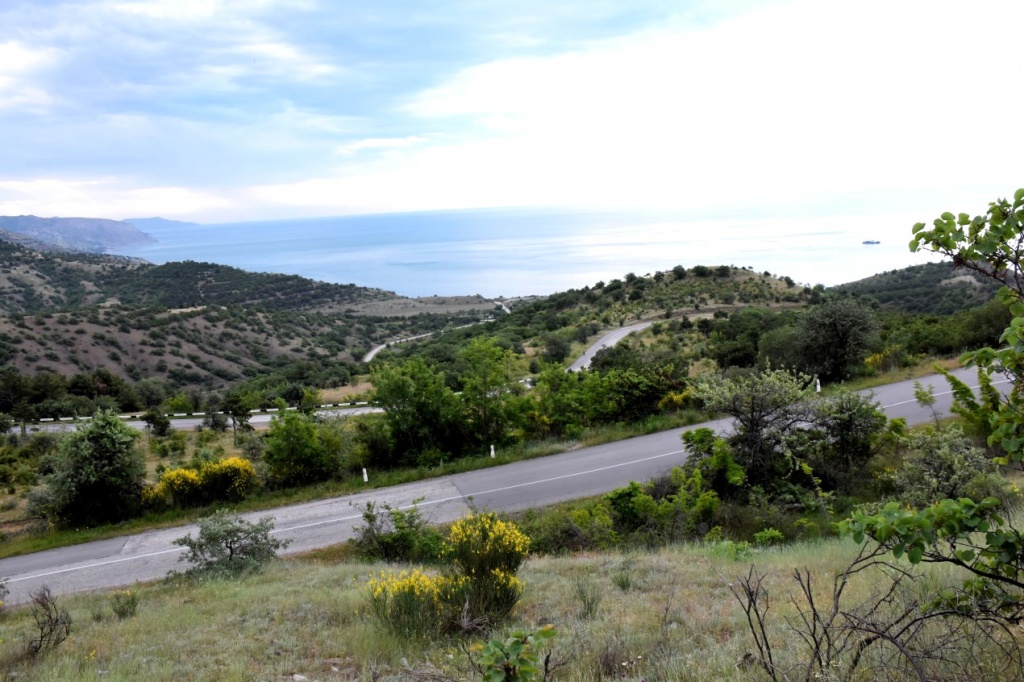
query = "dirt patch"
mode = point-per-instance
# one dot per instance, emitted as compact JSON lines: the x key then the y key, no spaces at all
{"x":961,"y":279}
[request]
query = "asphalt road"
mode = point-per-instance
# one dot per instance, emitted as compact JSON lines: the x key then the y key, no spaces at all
{"x":579,"y":473}
{"x":606,"y":341}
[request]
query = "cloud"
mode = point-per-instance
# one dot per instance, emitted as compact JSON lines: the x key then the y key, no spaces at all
{"x":321,"y":108}
{"x":104,"y":198}
{"x":380,"y":143}
{"x":18,"y":66}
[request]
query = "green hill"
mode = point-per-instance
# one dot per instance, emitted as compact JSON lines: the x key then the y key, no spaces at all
{"x":929,"y":288}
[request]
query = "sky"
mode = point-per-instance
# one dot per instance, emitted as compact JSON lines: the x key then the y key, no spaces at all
{"x":230,"y":110}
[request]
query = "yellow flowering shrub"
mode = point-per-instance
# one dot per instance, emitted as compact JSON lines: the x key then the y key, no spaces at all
{"x":481,"y":543}
{"x":412,"y":603}
{"x":180,"y":487}
{"x":476,"y":591}
{"x":230,"y":479}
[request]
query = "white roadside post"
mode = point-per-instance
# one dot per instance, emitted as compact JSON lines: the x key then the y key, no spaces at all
{"x":366,"y":479}
{"x":492,"y":451}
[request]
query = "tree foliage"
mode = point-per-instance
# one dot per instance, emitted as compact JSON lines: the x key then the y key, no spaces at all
{"x":835,"y":337}
{"x":991,"y":245}
{"x":228,"y":546}
{"x":766,"y":407}
{"x":97,"y":475}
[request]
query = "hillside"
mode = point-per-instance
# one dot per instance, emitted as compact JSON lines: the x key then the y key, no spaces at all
{"x":94,"y":235}
{"x":194,"y":323}
{"x":33,"y":281}
{"x":935,"y":288}
{"x":575,"y":316}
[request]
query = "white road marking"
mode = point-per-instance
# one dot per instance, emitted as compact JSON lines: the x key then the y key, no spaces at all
{"x":359,"y":516}
{"x":907,"y":402}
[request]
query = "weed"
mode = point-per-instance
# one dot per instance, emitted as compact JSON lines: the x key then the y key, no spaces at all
{"x":589,"y":597}
{"x":124,"y":603}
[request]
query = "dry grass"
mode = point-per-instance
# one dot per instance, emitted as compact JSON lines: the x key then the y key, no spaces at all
{"x":677,"y":620}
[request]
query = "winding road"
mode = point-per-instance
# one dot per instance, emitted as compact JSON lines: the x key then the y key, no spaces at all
{"x":579,"y":473}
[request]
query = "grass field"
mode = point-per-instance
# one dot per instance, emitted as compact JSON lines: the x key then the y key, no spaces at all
{"x":664,"y":615}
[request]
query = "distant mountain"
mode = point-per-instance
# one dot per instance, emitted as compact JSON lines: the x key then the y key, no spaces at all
{"x":161,"y":228}
{"x":92,"y":235}
{"x":146,"y":223}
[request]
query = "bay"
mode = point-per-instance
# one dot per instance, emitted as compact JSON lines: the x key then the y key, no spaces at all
{"x":516,"y":252}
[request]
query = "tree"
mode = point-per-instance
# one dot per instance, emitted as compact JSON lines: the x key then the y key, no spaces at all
{"x":97,"y":475}
{"x":967,"y":534}
{"x":239,"y":411}
{"x":835,"y":336}
{"x":295,"y":453}
{"x":851,"y":428}
{"x":768,"y":407}
{"x":157,"y":422}
{"x":228,"y":546}
{"x":420,"y":411}
{"x":490,"y":391}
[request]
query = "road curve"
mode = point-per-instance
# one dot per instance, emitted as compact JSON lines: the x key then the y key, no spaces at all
{"x":606,"y":341}
{"x":579,"y":473}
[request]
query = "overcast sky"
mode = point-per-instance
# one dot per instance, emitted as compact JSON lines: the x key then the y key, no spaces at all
{"x":220,"y":110}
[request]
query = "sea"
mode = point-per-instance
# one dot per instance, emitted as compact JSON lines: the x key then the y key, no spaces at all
{"x":519,"y":252}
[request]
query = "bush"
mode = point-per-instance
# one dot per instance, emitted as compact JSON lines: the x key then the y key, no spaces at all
{"x":228,"y":480}
{"x":480,"y":544}
{"x":180,"y":488}
{"x":944,"y":464}
{"x":97,"y":476}
{"x":768,"y":537}
{"x":414,"y":604}
{"x":396,"y":535}
{"x":124,"y":603}
{"x":477,"y":590}
{"x":229,"y":547}
{"x":295,"y":453}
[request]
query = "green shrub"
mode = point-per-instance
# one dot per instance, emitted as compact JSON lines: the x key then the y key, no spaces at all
{"x":228,"y":546}
{"x":514,"y":659}
{"x":768,"y":537}
{"x":943,"y":464}
{"x":97,"y":476}
{"x":124,"y":604}
{"x":391,"y":534}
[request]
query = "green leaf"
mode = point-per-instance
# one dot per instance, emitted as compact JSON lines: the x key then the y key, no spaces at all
{"x":915,"y":554}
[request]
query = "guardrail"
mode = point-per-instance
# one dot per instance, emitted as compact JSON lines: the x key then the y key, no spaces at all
{"x":185,"y":415}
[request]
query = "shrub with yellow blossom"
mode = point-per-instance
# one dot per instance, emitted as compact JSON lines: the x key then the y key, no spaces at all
{"x":227,"y":480}
{"x":412,"y":603}
{"x":477,"y":591}
{"x":180,"y":487}
{"x":230,"y":479}
{"x":481,"y":543}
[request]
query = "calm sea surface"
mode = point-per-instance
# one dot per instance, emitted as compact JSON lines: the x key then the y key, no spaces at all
{"x":519,"y":252}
